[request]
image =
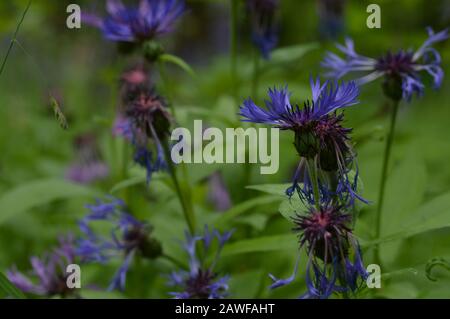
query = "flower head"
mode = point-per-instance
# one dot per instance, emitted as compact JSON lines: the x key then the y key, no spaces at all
{"x":219,"y":195}
{"x":150,"y":19}
{"x":143,"y":119}
{"x":319,"y":135}
{"x":331,"y":17}
{"x":334,"y":259}
{"x":127,"y":237}
{"x":88,"y":167}
{"x":48,"y":276}
{"x":264,"y":30}
{"x":201,"y":281}
{"x":401,"y":70}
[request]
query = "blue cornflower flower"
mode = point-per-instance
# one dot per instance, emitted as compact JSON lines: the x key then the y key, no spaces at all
{"x":318,"y":136}
{"x":201,"y":281}
{"x":122,"y":128}
{"x":401,"y":70}
{"x":331,"y":13}
{"x":264,"y":29}
{"x":128,"y":236}
{"x":50,"y":272}
{"x":88,"y":166}
{"x":151,"y":18}
{"x":143,"y":119}
{"x":334,"y":259}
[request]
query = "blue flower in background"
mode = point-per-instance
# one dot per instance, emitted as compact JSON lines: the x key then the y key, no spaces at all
{"x":48,"y":276}
{"x":318,"y":135}
{"x":334,"y":259}
{"x":264,"y":30}
{"x":151,"y":18}
{"x":127,"y":237}
{"x":201,"y":281}
{"x":142,"y":119}
{"x":401,"y":70}
{"x":88,"y":166}
{"x":331,"y":17}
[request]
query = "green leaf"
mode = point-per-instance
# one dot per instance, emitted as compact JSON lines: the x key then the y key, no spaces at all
{"x":169,"y":58}
{"x":262,"y":244}
{"x":246,"y":284}
{"x":273,"y":189}
{"x":430,"y":216}
{"x":438,"y":261}
{"x":9,"y":289}
{"x":292,"y":206}
{"x":291,"y":54}
{"x":40,"y":192}
{"x":128,"y":183}
{"x":409,"y":181}
{"x":243,"y":207}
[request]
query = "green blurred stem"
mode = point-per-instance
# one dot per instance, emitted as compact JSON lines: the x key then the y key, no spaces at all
{"x":183,"y":194}
{"x":173,"y":261}
{"x":234,"y":45}
{"x":166,"y":84}
{"x":13,"y":40}
{"x":254,"y":94}
{"x":313,"y":175}
{"x":256,"y":72}
{"x":387,"y":155}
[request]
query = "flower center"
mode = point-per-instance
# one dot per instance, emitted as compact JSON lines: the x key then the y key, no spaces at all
{"x":138,"y":238}
{"x":395,"y":64}
{"x":198,"y":287}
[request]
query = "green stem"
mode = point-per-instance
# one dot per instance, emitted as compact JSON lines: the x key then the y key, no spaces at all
{"x":255,"y":80}
{"x":166,"y":84}
{"x":185,"y":202}
{"x":124,"y":170}
{"x":312,"y":170}
{"x":234,"y":46}
{"x":387,"y":155}
{"x":13,"y":40}
{"x":173,"y":261}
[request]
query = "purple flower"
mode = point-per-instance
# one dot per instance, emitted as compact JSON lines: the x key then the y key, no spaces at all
{"x":331,"y":17}
{"x":330,"y":245}
{"x":218,"y":194}
{"x":150,"y":19}
{"x":48,"y":276}
{"x":149,"y":122}
{"x":143,"y":119}
{"x":264,"y":30}
{"x":127,"y":237}
{"x":401,"y":70}
{"x":319,"y":136}
{"x":200,"y":281}
{"x":88,"y":166}
{"x":146,"y":159}
{"x":122,"y":127}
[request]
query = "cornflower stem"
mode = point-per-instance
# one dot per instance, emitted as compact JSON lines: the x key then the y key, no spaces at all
{"x":386,"y":158}
{"x":124,"y":169}
{"x":174,"y":261}
{"x":183,"y":195}
{"x":313,"y":175}
{"x":234,"y":46}
{"x":167,"y":88}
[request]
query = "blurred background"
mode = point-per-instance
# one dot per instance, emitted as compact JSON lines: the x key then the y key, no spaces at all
{"x":39,"y":200}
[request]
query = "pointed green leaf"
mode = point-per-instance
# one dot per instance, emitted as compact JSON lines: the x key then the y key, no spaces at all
{"x":40,"y":192}
{"x":9,"y":289}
